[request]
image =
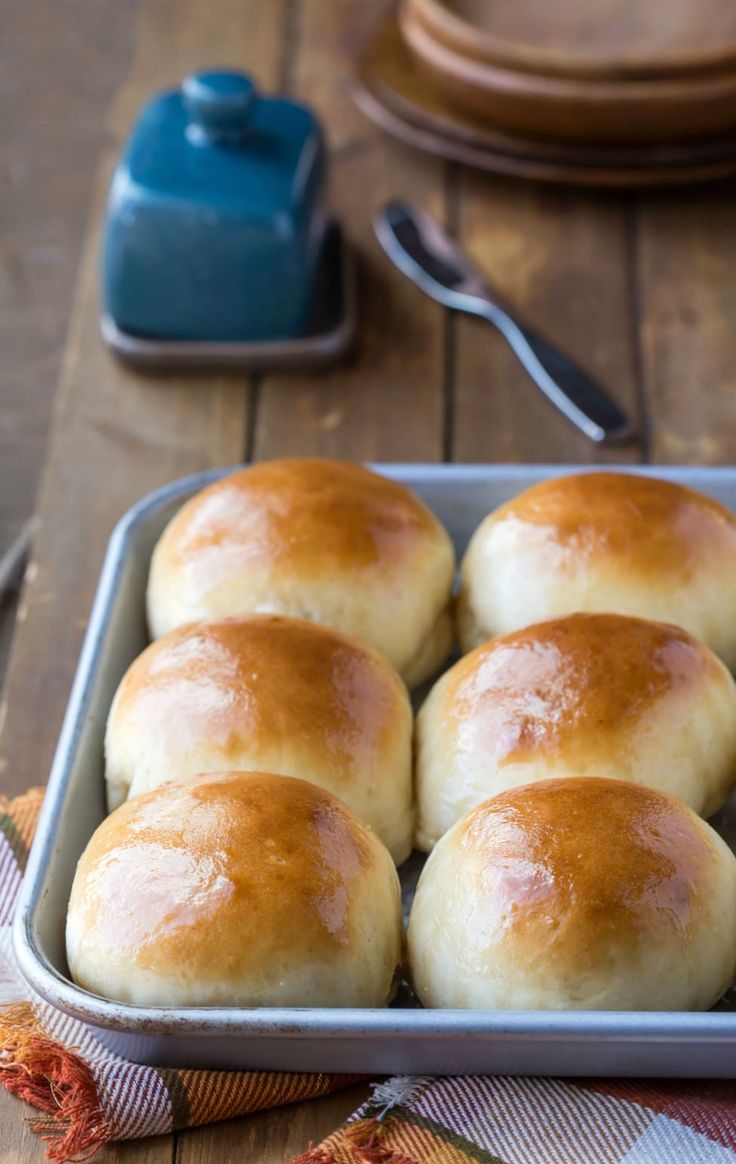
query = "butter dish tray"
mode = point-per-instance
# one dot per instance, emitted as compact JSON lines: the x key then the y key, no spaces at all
{"x":403,"y":1037}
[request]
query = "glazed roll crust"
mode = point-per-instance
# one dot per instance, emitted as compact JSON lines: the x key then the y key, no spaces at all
{"x":269,"y":694}
{"x":595,"y":694}
{"x":576,"y":894}
{"x":235,"y":889}
{"x":603,"y":542}
{"x":326,"y":541}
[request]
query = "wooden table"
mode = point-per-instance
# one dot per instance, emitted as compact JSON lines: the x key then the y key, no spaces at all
{"x":642,"y":289}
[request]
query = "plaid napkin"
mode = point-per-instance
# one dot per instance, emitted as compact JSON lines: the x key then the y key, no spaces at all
{"x":498,"y":1120}
{"x":88,"y":1097}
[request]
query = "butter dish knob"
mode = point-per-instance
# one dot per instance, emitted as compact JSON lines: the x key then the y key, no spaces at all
{"x":219,"y":104}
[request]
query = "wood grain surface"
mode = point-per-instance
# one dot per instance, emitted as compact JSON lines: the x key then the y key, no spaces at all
{"x":563,"y":259}
{"x":639,"y":289}
{"x":398,"y":366}
{"x":56,"y":87}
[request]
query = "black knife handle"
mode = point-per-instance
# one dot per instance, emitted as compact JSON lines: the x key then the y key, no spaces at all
{"x":564,"y":382}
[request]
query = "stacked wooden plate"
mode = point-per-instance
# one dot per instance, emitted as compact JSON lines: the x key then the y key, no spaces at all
{"x":613,"y":92}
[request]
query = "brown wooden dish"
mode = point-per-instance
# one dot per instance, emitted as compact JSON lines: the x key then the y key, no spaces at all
{"x":573,"y":109}
{"x":390,"y":89}
{"x":588,"y":38}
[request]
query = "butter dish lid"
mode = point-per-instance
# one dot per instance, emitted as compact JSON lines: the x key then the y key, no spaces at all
{"x":216,"y":215}
{"x":217,"y":138}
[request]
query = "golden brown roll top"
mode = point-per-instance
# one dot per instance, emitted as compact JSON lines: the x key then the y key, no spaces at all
{"x":327,"y":541}
{"x":595,"y":694}
{"x":272,"y":694}
{"x":603,"y":542}
{"x":576,"y":894}
{"x":235,"y":889}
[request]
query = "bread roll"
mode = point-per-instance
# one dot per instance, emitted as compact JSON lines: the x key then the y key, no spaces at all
{"x":576,"y":894}
{"x":270,"y":694}
{"x":235,"y":889}
{"x":603,"y":542}
{"x":322,"y":540}
{"x":594,"y":694}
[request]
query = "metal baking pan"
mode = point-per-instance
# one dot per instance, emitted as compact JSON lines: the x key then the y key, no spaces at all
{"x":398,"y":1039}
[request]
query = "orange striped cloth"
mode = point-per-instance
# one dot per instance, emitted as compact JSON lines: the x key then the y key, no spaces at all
{"x":87,"y":1097}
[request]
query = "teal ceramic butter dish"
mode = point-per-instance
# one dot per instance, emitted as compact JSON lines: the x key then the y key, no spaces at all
{"x":216,"y":231}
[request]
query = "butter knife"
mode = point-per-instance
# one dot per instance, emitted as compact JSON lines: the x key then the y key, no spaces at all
{"x":437,"y":264}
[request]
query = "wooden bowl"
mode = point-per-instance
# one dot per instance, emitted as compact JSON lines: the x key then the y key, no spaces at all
{"x":573,"y":109}
{"x":607,"y":39}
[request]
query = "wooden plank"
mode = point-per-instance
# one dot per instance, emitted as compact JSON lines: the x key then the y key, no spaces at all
{"x":563,"y":259}
{"x":19,"y":1143}
{"x":687,"y":271}
{"x":387,"y":402}
{"x":270,"y":1137}
{"x":156,"y":1150}
{"x":49,"y":148}
{"x":115,"y":434}
{"x":58,"y":85}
